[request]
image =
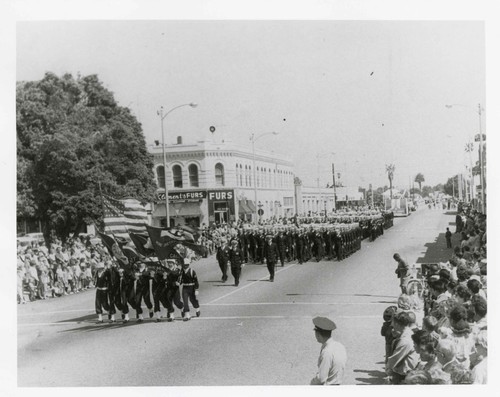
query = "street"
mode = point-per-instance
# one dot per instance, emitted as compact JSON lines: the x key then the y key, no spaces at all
{"x":260,"y":333}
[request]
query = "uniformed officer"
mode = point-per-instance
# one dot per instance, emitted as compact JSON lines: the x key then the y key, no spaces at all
{"x":123,"y":294}
{"x":190,"y":286}
{"x":300,"y":246}
{"x":101,"y":283}
{"x":271,"y":255}
{"x":173,"y":293}
{"x":260,"y":239}
{"x":113,"y":293}
{"x":144,"y":291}
{"x":332,"y":358}
{"x":236,"y":259}
{"x":280,"y":241}
{"x":222,"y":257}
{"x":159,"y":293}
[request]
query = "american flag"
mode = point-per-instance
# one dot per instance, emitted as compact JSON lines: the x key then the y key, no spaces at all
{"x":122,"y":216}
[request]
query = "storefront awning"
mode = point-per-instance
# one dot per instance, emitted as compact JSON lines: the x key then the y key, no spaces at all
{"x":251,"y":206}
{"x":187,"y":209}
{"x":243,"y":208}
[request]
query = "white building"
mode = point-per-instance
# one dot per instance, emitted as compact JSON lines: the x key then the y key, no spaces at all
{"x":214,"y":182}
{"x":314,"y":200}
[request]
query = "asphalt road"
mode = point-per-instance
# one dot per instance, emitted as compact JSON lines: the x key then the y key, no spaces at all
{"x":260,"y":333}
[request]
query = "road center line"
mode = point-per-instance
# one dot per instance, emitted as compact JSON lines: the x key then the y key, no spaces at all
{"x":248,"y":285}
{"x":195,"y":320}
{"x":90,"y":312}
{"x":294,"y":303}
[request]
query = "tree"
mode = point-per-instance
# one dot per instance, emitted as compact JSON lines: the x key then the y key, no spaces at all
{"x":74,"y":141}
{"x":426,"y":190}
{"x":451,"y":186}
{"x":419,"y":178}
{"x":390,"y":168}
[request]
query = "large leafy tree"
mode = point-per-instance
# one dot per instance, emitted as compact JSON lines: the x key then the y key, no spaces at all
{"x":451,"y":186}
{"x":75,"y":142}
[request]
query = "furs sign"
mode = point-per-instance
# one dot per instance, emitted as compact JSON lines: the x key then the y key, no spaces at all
{"x":223,"y":195}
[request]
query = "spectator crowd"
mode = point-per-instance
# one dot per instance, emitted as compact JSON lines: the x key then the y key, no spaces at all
{"x":67,"y":268}
{"x":437,"y":333}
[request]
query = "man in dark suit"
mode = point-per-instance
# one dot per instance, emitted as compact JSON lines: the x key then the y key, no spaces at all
{"x":281,"y":244}
{"x":271,"y":254}
{"x":236,"y":259}
{"x":223,"y":257}
{"x":300,"y":245}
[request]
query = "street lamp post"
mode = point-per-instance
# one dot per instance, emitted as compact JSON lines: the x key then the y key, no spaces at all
{"x":481,"y":166}
{"x":318,"y":156}
{"x":481,"y":169}
{"x":254,"y":138}
{"x":162,"y":117}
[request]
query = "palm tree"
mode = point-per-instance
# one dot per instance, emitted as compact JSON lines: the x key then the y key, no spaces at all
{"x":419,"y":178}
{"x":390,"y":168}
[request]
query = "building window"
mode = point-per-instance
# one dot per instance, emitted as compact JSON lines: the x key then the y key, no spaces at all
{"x":241,"y":175}
{"x":250,"y":176}
{"x":219,"y":174}
{"x":288,"y":201}
{"x":258,"y":177}
{"x":177,"y":174}
{"x":160,"y":174}
{"x":193,"y":175}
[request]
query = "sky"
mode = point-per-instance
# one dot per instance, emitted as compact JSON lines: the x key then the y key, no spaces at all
{"x":371,"y":92}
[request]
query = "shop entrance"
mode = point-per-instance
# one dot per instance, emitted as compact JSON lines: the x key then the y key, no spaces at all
{"x":221,"y":212}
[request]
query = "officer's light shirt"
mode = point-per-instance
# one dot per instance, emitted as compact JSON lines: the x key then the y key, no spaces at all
{"x":331,"y":364}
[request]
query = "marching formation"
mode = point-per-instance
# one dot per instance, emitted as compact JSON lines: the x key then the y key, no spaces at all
{"x":153,"y":270}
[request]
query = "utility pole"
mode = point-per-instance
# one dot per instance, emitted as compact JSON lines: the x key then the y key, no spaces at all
{"x":334,"y":188}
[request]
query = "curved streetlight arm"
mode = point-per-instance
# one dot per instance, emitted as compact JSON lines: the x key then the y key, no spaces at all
{"x":193,"y":105}
{"x":478,"y":111}
{"x":254,"y":138}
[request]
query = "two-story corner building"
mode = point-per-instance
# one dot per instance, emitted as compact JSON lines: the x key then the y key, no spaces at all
{"x":215,"y":182}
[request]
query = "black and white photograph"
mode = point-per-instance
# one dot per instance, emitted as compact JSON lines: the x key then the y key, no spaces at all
{"x":208,"y":199}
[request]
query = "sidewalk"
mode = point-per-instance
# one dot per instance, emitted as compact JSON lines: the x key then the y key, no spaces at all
{"x":436,"y":250}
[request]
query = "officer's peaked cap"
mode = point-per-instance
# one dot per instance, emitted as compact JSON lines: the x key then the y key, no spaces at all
{"x":324,"y":323}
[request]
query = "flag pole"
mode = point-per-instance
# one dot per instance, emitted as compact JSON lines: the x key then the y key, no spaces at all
{"x":102,"y":204}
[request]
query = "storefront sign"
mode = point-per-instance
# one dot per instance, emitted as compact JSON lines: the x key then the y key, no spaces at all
{"x":182,"y":196}
{"x":222,"y":195}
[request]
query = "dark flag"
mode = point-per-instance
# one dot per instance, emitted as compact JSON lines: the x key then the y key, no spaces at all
{"x":189,"y":232}
{"x":113,"y":247}
{"x":132,"y":254}
{"x":165,"y":240}
{"x":142,"y":244}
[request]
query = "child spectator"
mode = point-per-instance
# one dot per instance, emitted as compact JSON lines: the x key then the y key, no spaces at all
{"x":386,"y":330}
{"x":403,"y":358}
{"x":430,"y":325}
{"x":479,"y":362}
{"x":475,"y":286}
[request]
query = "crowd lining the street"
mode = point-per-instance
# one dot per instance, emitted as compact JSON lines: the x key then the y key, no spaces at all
{"x":437,"y":333}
